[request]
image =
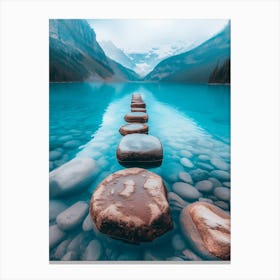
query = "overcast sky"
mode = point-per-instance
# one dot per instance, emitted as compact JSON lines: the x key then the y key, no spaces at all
{"x":142,"y":35}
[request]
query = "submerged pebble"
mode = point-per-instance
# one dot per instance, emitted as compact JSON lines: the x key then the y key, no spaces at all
{"x":93,"y":251}
{"x":222,"y":193}
{"x":220,"y":174}
{"x":186,"y":177}
{"x":204,"y":186}
{"x":186,"y":191}
{"x":186,"y":162}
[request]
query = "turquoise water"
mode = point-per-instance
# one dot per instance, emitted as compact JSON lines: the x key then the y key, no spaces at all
{"x":191,"y":121}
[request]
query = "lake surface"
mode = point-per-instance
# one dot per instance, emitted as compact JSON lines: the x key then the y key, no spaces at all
{"x":191,"y":121}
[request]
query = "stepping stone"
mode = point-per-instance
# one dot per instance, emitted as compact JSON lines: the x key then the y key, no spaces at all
{"x":134,"y":128}
{"x":131,"y":205}
{"x":140,"y":150}
{"x":72,"y":176}
{"x":138,"y":117}
{"x":138,"y":105}
{"x":207,"y":228}
{"x":143,"y":110}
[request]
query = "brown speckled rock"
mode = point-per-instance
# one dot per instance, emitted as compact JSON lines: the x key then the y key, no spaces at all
{"x":138,"y":117}
{"x":207,"y":228}
{"x":131,"y":205}
{"x":143,"y":110}
{"x":139,"y":150}
{"x":134,"y":128}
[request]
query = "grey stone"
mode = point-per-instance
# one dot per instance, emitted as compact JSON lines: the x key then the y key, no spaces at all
{"x":72,"y":176}
{"x":199,"y":174}
{"x":93,"y":251}
{"x":222,"y":204}
{"x":216,"y":182}
{"x":226,"y":184}
{"x":87,"y":223}
{"x":204,"y":157}
{"x":221,"y":175}
{"x":65,"y":138}
{"x":186,"y":163}
{"x":54,"y":155}
{"x":171,"y":171}
{"x":208,"y":200}
{"x":186,"y":177}
{"x":56,"y":235}
{"x":55,"y":208}
{"x":204,"y":186}
{"x":176,"y":200}
{"x":72,"y":216}
{"x":80,"y":242}
{"x":71,"y":144}
{"x":178,"y":243}
{"x":186,"y":153}
{"x":205,"y":166}
{"x":61,"y":249}
{"x":175,"y":259}
{"x":186,"y":191}
{"x":191,"y":256}
{"x":70,"y":256}
{"x":222,"y":193}
{"x":220,"y":164}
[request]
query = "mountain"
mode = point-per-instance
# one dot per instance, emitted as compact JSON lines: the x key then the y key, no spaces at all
{"x":221,"y":74}
{"x":196,"y":65}
{"x":116,"y":54}
{"x":75,"y":55}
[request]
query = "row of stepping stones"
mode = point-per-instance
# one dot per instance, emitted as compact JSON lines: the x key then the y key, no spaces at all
{"x":132,"y":204}
{"x":137,"y":148}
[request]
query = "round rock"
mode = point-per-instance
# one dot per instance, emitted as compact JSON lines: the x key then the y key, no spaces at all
{"x":55,"y":208}
{"x":204,"y":186}
{"x":131,"y":205}
{"x":54,"y":155}
{"x":134,"y":128}
{"x":220,"y":175}
{"x":207,"y":228}
{"x":186,"y":177}
{"x":199,"y":174}
{"x":138,"y":117}
{"x":72,"y":176}
{"x":186,"y":191}
{"x":222,"y":193}
{"x":56,"y":235}
{"x":93,"y":251}
{"x":139,"y":150}
{"x":219,"y":164}
{"x":72,"y":216}
{"x":186,"y":162}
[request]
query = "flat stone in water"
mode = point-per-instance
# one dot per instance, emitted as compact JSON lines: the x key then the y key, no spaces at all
{"x":176,"y":200}
{"x":72,"y":216}
{"x":205,"y":166}
{"x":139,"y":150}
{"x":72,"y":176}
{"x":216,"y":182}
{"x":56,"y":235}
{"x":222,"y":204}
{"x":204,"y":157}
{"x":221,"y":175}
{"x":199,"y":174}
{"x":219,"y":164}
{"x":204,"y":186}
{"x":186,"y":191}
{"x":134,"y":128}
{"x":80,"y":242}
{"x":178,"y":243}
{"x":139,"y":110}
{"x":222,"y":193}
{"x":55,"y":208}
{"x":70,"y":256}
{"x":65,"y":138}
{"x":185,"y":153}
{"x":226,"y":184}
{"x":131,"y":205}
{"x":61,"y":249}
{"x":186,"y":177}
{"x":171,"y":171}
{"x":54,"y":155}
{"x":87,"y":223}
{"x":191,"y":256}
{"x":93,"y":251}
{"x":138,"y":117}
{"x":186,"y":163}
{"x":71,"y":144}
{"x":207,"y":229}
{"x":208,"y":200}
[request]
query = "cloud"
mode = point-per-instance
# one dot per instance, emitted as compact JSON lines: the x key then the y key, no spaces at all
{"x":143,"y":35}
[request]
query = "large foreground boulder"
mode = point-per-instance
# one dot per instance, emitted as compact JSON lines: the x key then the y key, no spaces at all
{"x":134,"y":128}
{"x":131,"y":205}
{"x":138,"y":117}
{"x":72,"y":176}
{"x":207,"y":229}
{"x":139,"y":150}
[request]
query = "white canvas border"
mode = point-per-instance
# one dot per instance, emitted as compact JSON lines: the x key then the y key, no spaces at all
{"x":254,"y":123}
